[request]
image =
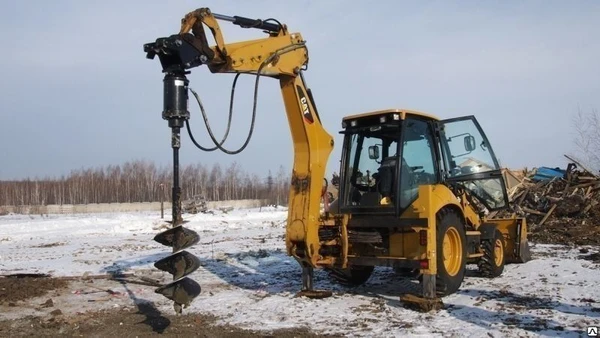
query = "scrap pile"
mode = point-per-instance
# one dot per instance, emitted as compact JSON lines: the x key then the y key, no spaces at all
{"x":195,"y":205}
{"x":561,"y":206}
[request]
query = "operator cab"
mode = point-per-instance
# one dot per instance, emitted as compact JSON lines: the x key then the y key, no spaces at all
{"x":388,"y":154}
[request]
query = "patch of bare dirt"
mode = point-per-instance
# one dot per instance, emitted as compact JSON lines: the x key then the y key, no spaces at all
{"x":570,"y":231}
{"x":594,"y":257}
{"x":46,"y":312}
{"x":134,"y":322}
{"x":14,"y":289}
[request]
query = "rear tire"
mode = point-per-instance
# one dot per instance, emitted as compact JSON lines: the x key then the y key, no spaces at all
{"x":451,"y":252}
{"x":491,"y":264}
{"x":353,"y":275}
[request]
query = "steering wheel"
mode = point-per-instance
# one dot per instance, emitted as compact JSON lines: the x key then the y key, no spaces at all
{"x":368,"y":187}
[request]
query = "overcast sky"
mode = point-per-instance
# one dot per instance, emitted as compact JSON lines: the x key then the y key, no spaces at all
{"x":77,"y":91}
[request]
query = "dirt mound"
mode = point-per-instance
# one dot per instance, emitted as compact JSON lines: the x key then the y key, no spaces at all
{"x":14,"y":289}
{"x":567,"y":231}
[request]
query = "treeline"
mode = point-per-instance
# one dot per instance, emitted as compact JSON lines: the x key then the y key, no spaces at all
{"x":143,"y":181}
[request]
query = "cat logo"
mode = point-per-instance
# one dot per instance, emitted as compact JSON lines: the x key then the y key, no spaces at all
{"x":304,"y":106}
{"x":308,"y":117}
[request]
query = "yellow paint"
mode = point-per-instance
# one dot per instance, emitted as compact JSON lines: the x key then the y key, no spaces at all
{"x":498,"y":252}
{"x":312,"y":147}
{"x":406,"y":245}
{"x":452,"y":247}
{"x":431,"y":199}
{"x":402,"y":112}
{"x":247,"y":56}
{"x":471,"y":216}
{"x":282,"y":56}
{"x":345,"y":244}
{"x":425,"y":205}
{"x":508,"y":227}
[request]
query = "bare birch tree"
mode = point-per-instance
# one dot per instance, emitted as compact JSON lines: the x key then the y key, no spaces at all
{"x":586,"y":127}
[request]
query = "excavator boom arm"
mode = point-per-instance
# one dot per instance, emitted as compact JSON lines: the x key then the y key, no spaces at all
{"x":283,"y":56}
{"x":280,"y":54}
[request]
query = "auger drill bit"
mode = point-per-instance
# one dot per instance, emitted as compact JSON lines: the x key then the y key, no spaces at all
{"x":181,"y":263}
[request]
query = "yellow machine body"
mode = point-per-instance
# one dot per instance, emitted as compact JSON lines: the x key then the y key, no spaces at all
{"x":431,"y":234}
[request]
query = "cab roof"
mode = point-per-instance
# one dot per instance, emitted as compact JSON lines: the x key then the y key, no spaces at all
{"x":402,"y":113}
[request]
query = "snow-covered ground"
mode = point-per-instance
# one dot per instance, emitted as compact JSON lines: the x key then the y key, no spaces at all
{"x":248,"y":280}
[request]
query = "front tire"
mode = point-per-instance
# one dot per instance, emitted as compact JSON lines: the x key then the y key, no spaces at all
{"x":491,"y":264}
{"x":451,"y":252}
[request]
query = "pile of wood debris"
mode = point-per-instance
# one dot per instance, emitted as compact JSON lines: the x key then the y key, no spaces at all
{"x":560,"y":210}
{"x":194,"y":205}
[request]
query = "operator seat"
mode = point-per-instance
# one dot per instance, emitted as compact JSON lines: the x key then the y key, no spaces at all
{"x":387,"y":178}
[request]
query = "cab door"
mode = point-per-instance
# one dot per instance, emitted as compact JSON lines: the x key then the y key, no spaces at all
{"x":469,"y":161}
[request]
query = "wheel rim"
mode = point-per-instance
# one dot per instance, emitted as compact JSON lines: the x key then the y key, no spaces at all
{"x":452,"y":251}
{"x":498,"y":252}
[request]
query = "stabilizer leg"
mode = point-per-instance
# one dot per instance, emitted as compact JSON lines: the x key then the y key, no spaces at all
{"x":307,"y":285}
{"x":308,"y":275}
{"x":429,"y":301}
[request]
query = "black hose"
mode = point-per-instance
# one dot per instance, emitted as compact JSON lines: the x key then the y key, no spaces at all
{"x":187,"y":124}
{"x":271,"y":19}
{"x":255,"y":100}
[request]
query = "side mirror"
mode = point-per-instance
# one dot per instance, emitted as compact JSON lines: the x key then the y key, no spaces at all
{"x":374,"y":152}
{"x":470,"y":143}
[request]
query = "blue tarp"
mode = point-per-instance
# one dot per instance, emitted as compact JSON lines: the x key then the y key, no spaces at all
{"x":546,"y":173}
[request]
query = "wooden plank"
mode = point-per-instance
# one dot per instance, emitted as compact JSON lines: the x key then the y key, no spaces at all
{"x":535,"y":212}
{"x":516,"y":190}
{"x":588,"y":193}
{"x":581,"y":166}
{"x":523,"y":197}
{"x":549,"y":186}
{"x":585,"y":185}
{"x":474,"y":255}
{"x":589,"y":206}
{"x":518,"y":196}
{"x":553,"y":199}
{"x":548,"y":214}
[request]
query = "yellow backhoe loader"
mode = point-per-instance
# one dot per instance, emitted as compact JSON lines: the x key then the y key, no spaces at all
{"x":413,"y":189}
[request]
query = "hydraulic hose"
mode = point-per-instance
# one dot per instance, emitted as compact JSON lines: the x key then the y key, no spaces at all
{"x":218,"y":145}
